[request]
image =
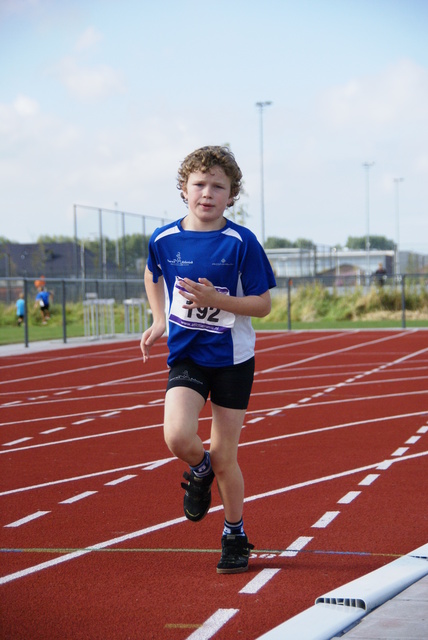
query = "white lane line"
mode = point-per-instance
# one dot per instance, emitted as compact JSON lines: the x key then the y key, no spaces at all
{"x":46,"y":433}
{"x":385,"y":465}
{"x":111,"y":413}
{"x":254,"y":420}
{"x":119,"y":480}
{"x":422,"y":430}
{"x":274,"y":413}
{"x":80,"y":496}
{"x":295,"y":547}
{"x":349,"y":497}
{"x":412,"y":440}
{"x":10,"y":444}
{"x":29,"y":518}
{"x":259,"y":581}
{"x":213,"y":624}
{"x":10,"y":404}
{"x":162,"y":525}
{"x":368,"y":480}
{"x":325,"y":520}
{"x":83,"y":421}
{"x":400,"y":451}
{"x":62,"y":393}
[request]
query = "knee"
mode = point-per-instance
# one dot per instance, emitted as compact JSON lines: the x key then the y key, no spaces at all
{"x":177,"y":442}
{"x":222,"y":462}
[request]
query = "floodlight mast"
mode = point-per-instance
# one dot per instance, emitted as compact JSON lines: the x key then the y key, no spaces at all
{"x":397,"y":225}
{"x":261,"y":106}
{"x":368,"y":166}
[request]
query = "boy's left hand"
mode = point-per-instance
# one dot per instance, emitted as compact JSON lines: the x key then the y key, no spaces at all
{"x":199,"y":294}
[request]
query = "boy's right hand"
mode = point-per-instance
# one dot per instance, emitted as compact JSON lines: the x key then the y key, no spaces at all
{"x":149,"y":337}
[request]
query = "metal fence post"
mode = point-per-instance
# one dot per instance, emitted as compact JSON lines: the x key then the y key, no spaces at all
{"x":403,"y":303}
{"x":64,"y":319}
{"x":26,"y":313}
{"x":289,"y":283}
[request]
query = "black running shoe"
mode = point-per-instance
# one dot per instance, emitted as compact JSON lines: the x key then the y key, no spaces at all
{"x":197,"y":499}
{"x":234,"y":555}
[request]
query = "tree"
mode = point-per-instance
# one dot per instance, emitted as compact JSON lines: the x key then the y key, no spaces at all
{"x":380,"y":243}
{"x":278,"y":243}
{"x":303,"y":243}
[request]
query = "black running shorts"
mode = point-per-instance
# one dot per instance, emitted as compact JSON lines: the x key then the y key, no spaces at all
{"x":230,"y":387}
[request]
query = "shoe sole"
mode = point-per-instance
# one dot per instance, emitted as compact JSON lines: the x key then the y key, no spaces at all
{"x":236,"y":570}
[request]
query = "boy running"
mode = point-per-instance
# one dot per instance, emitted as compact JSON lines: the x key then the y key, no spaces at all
{"x":211,"y":275}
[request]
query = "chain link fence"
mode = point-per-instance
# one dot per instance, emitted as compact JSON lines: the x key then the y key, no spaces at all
{"x":114,"y":306}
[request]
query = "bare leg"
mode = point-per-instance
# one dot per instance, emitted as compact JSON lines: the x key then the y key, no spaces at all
{"x":182,"y":409}
{"x":225,"y":433}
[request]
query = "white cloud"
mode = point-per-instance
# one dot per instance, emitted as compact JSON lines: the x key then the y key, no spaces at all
{"x":89,"y":38}
{"x":380,"y":100}
{"x":89,"y":83}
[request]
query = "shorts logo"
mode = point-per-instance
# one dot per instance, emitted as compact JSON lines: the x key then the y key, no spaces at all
{"x":185,"y":376}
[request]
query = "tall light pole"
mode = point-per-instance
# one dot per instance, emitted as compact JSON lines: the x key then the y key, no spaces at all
{"x":397,"y":224}
{"x":368,"y":166}
{"x":261,"y":106}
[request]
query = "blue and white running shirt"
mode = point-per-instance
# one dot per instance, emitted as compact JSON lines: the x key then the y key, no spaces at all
{"x":235,"y":262}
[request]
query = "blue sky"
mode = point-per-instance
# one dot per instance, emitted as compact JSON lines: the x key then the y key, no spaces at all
{"x":100,"y":101}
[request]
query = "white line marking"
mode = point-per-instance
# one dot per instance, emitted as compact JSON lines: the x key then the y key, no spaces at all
{"x":88,"y":437}
{"x":80,"y":496}
{"x":412,"y":440}
{"x":158,"y":463}
{"x":422,"y":430}
{"x":119,"y":480}
{"x":325,"y":520}
{"x":349,"y":497}
{"x":33,"y":516}
{"x":400,"y":451}
{"x":46,"y":433}
{"x":296,"y":546}
{"x":107,"y":415}
{"x":254,"y":420}
{"x":163,"y":525}
{"x":83,"y":421}
{"x":10,"y":444}
{"x":385,"y":465}
{"x":259,"y":581}
{"x":213,"y":624}
{"x":10,"y":404}
{"x":62,"y":393}
{"x":274,"y":413}
{"x":369,"y":479}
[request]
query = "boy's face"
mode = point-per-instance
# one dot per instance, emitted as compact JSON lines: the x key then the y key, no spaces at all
{"x":208,"y":195}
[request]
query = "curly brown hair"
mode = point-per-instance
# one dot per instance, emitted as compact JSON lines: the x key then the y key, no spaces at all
{"x":206,"y":158}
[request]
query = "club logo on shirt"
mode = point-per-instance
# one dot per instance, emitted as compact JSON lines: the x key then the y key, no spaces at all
{"x":223,"y":263}
{"x":178,"y":261}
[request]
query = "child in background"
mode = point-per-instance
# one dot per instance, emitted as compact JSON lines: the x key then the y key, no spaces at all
{"x":20,"y":309}
{"x":42,"y":301}
{"x":214,"y":275}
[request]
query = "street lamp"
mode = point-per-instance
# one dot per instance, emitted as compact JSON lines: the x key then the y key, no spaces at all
{"x":368,"y":166}
{"x":261,"y":106}
{"x":397,"y":224}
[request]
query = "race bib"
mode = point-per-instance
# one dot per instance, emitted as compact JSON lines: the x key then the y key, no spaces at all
{"x":202,"y":318}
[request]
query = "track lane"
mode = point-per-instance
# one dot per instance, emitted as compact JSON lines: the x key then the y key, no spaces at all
{"x":293,"y":512}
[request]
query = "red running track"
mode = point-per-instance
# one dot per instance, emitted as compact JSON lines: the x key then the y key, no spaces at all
{"x":334,"y":452}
